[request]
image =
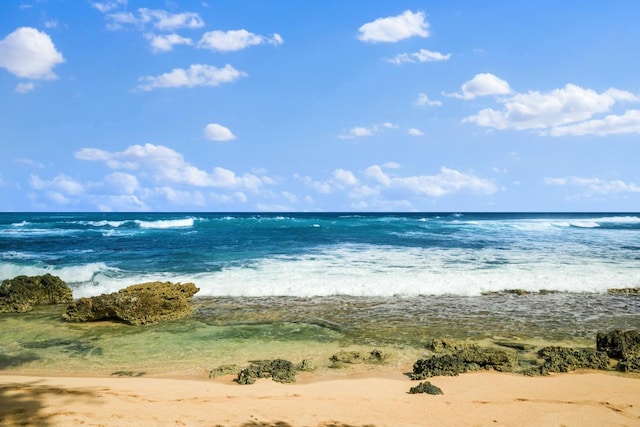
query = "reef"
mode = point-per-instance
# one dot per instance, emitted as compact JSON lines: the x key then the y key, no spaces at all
{"x":472,"y":358}
{"x":22,"y":293}
{"x":342,"y":358}
{"x":142,"y":304}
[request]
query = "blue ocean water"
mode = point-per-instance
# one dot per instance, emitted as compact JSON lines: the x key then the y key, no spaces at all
{"x":322,"y":254}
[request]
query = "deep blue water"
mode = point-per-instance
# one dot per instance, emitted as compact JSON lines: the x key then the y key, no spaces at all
{"x":307,"y":254}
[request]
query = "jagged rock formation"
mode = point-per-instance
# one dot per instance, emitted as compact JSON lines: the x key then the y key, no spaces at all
{"x":22,"y":293}
{"x":141,"y":304}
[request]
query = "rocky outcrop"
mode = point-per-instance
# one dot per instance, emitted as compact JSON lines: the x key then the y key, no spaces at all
{"x":279,"y":370}
{"x":22,"y":293}
{"x":141,"y":304}
{"x":619,"y":344}
{"x":562,"y":359}
{"x":468,"y":359}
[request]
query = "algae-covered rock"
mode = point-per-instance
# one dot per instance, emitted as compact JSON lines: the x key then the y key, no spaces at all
{"x":224,"y":370}
{"x":469,"y":359}
{"x":141,"y":304}
{"x":306,"y":366}
{"x":279,"y":370}
{"x":625,"y":291}
{"x":22,"y":293}
{"x":630,"y":365}
{"x":425,"y":387}
{"x":355,"y":357}
{"x":562,"y":359}
{"x":439,"y":345}
{"x":619,"y":344}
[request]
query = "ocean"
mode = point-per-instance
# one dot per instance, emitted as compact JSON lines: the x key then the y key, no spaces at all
{"x":301,"y":281}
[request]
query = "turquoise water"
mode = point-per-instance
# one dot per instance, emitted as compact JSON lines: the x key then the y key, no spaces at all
{"x":302,"y":286}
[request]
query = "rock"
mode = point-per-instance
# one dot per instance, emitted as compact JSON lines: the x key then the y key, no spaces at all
{"x":425,"y":387}
{"x":562,"y":359}
{"x":224,"y":370}
{"x":469,"y":359}
{"x":438,"y":345}
{"x":22,"y":293}
{"x":306,"y":366}
{"x":625,"y":291}
{"x":619,"y":344}
{"x":142,"y":304}
{"x":278,"y":370}
{"x":354,"y":357}
{"x":630,"y":365}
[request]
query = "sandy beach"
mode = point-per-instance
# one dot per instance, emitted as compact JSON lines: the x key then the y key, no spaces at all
{"x":585,"y":398}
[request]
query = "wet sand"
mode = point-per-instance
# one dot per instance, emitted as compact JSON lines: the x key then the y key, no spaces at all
{"x":373,"y":398}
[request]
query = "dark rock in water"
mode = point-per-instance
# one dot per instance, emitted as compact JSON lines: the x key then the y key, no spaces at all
{"x":278,"y":370}
{"x":74,"y":347}
{"x":562,"y":359}
{"x":425,"y":387}
{"x":142,"y":304}
{"x":469,"y":359}
{"x":22,"y":293}
{"x":619,"y":344}
{"x":224,"y":370}
{"x":630,"y":365}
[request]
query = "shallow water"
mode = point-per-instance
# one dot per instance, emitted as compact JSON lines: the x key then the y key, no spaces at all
{"x":226,"y":330}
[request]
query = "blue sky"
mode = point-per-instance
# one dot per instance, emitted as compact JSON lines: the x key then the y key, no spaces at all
{"x":330,"y":105}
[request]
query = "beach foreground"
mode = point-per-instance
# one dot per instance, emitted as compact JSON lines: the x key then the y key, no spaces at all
{"x":585,"y":398}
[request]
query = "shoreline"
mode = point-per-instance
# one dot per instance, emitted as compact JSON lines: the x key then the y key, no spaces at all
{"x":373,"y":398}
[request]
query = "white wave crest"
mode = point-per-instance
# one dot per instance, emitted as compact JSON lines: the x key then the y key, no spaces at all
{"x":166,"y":223}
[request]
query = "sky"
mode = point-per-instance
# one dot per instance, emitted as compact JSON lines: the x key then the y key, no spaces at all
{"x":319,"y":105}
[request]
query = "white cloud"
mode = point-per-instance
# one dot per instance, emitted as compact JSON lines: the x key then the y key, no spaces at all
{"x":423,"y":100}
{"x":482,"y":84}
{"x":30,"y":54}
{"x":360,"y":131}
{"x":165,"y":21}
{"x":196,"y":75}
{"x":234,"y":40}
{"x":395,"y":28}
{"x":595,"y":185}
{"x":423,"y":55}
{"x":60,"y":184}
{"x":159,"y":19}
{"x":165,"y":43}
{"x":216,"y":132}
{"x":25,"y":87}
{"x":122,"y":183}
{"x":164,"y":165}
{"x":570,"y":104}
{"x":629,"y":122}
{"x":344,"y":177}
{"x":415,"y":132}
{"x":108,"y":6}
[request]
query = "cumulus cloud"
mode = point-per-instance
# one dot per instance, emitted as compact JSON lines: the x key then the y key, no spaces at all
{"x":379,"y":185}
{"x":360,"y":131}
{"x":195,"y":75}
{"x":165,"y":165}
{"x":395,"y":28}
{"x":423,"y":55}
{"x":234,"y":40}
{"x":165,"y":43}
{"x":423,"y":100}
{"x":482,"y":84}
{"x":629,"y":122}
{"x":596,"y":186}
{"x":551,"y":110}
{"x":216,"y":132}
{"x":108,"y":6}
{"x":30,"y":54}
{"x":415,"y":132}
{"x":159,"y":19}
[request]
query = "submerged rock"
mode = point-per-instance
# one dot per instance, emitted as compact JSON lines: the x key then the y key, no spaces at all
{"x":141,"y":304}
{"x":619,"y":344}
{"x":425,"y":387}
{"x":355,"y":357}
{"x":22,"y":293}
